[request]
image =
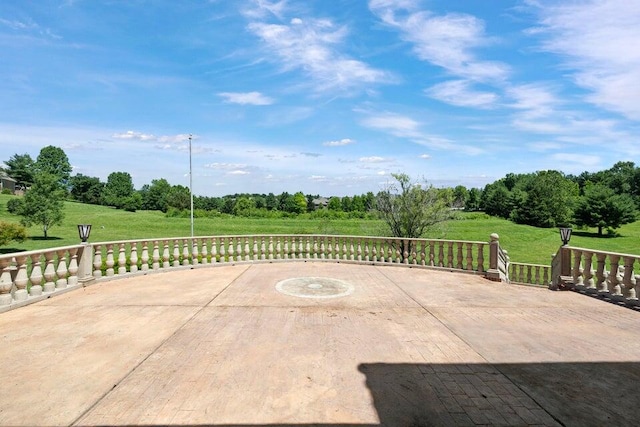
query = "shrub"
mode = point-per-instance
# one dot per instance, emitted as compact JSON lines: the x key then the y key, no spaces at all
{"x":10,"y":231}
{"x":15,"y":205}
{"x":6,"y":191}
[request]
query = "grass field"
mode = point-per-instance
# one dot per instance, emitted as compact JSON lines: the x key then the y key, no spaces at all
{"x":524,"y":243}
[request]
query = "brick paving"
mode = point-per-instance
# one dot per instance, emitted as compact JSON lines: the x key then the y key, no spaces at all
{"x":408,"y":347}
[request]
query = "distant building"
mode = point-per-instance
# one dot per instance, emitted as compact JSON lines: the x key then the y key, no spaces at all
{"x":7,"y":182}
{"x":320,"y":202}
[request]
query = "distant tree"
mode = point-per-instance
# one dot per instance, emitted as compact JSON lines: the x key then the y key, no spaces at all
{"x":409,"y":209}
{"x":86,"y":189}
{"x":357,"y":204}
{"x":369,"y":201}
{"x":54,"y":161}
{"x":227,"y":205}
{"x":260,"y":201}
{"x":601,"y":207}
{"x":21,"y":167}
{"x":154,"y":196}
{"x":179,"y":197}
{"x":271,"y":201}
{"x":310,"y":199}
{"x":119,"y":192}
{"x":495,"y":200}
{"x":345,"y":203}
{"x":243,"y":206}
{"x":473,"y":200}
{"x":549,"y":201}
{"x":460,"y":196}
{"x":299,"y":203}
{"x":334,"y":204}
{"x":44,"y":203}
{"x":10,"y":231}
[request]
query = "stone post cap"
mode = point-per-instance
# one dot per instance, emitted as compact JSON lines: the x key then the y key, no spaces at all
{"x":494,"y":237}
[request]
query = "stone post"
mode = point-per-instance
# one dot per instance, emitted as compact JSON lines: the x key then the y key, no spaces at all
{"x":85,"y":264}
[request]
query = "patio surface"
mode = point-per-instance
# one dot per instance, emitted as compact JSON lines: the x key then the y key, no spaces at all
{"x":402,"y":347}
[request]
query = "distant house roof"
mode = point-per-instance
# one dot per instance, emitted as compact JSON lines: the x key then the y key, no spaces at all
{"x":320,"y":201}
{"x":5,"y":177}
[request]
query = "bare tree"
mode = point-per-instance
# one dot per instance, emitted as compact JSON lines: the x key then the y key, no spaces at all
{"x":410,"y":209}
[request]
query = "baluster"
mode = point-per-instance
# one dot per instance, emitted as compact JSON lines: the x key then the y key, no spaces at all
{"x":285,"y":255}
{"x":423,"y":252}
{"x":156,"y":255}
{"x":336,"y":252}
{"x":529,"y":274}
{"x":176,"y":253}
{"x":255,"y":248}
{"x":440,"y":254}
{"x":6,"y":284}
{"x":545,"y":275}
{"x":223,"y":249}
{"x":214,"y":251}
{"x":577,"y":267}
{"x":145,"y":256}
{"x":205,"y":251}
{"x":194,"y":252}
{"x":21,"y":278}
{"x":537,"y":275}
{"x":246,"y":252}
{"x":301,"y":247}
{"x":97,"y":261}
{"x":460,"y":256}
{"x":329,"y":248}
{"x":481,"y":258}
{"x":72,"y":280}
{"x":122,"y":260}
{"x":450,"y":254}
{"x":351,"y":250}
{"x":432,"y":253}
{"x":263,"y":249}
{"x":165,"y":255}
{"x":614,"y":283}
{"x":402,"y":253}
{"x":414,"y":253}
{"x":601,"y":274}
{"x":322,"y":248}
{"x":185,"y":252}
{"x":469,"y":266}
{"x":238,"y":249}
{"x":133,"y":258}
{"x":315,"y":248}
{"x":61,"y":271}
{"x":359,"y":251}
{"x":307,"y":248}
{"x":36,"y":275}
{"x":396,"y":255}
{"x":270,"y":247}
{"x":627,"y":278}
{"x":278,"y":247}
{"x":588,"y":271}
{"x":374,"y":250}
{"x":367,"y":251}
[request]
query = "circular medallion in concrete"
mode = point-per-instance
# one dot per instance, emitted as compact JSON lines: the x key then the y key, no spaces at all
{"x":314,"y":287}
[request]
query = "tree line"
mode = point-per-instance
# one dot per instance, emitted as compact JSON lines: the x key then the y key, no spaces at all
{"x":605,"y":199}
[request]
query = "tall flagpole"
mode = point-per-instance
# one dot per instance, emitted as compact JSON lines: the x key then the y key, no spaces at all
{"x":191,"y":184}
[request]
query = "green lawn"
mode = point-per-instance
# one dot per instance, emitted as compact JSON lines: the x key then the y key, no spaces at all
{"x":524,"y":243}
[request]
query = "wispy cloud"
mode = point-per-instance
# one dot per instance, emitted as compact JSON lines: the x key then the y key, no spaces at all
{"x":314,"y":46}
{"x":461,"y":94}
{"x":598,"y":41}
{"x":339,"y":143}
{"x":246,"y":98}
{"x":447,"y":41}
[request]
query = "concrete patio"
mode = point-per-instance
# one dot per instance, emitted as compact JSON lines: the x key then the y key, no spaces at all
{"x":403,"y":347}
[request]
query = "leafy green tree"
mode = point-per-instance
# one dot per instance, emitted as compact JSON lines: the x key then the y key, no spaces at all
{"x":299,"y":203}
{"x":473,"y":200}
{"x":550,"y":198}
{"x":244,"y":206}
{"x":119,"y":192}
{"x":601,"y":207}
{"x":410,"y":209}
{"x":335,"y":204}
{"x":495,"y":200}
{"x":346,"y":204}
{"x":154,"y":196}
{"x":179,"y":197}
{"x":86,"y":189}
{"x":271,"y":202}
{"x":369,"y":201}
{"x":357,"y":204}
{"x":460,"y":196}
{"x":44,"y":203}
{"x":11,"y":231}
{"x":54,"y":161}
{"x":21,"y":167}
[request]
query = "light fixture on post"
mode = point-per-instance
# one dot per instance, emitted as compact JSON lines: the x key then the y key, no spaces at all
{"x":84,"y":230}
{"x":565,"y":235}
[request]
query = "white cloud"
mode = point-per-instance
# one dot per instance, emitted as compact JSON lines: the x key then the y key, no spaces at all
{"x":239,"y":172}
{"x":460,"y":93}
{"x":225,"y":166}
{"x":446,"y":41}
{"x":425,"y":156}
{"x":246,"y":98}
{"x":339,"y":143}
{"x":135,"y":136}
{"x":573,"y":161}
{"x":313,"y":46}
{"x":373,"y":159}
{"x":598,"y":41}
{"x":395,"y":124}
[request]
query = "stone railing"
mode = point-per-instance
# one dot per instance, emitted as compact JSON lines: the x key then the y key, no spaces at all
{"x":31,"y":276}
{"x":529,"y":274}
{"x":608,"y":275}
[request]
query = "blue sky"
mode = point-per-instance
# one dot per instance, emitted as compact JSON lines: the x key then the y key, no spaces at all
{"x":321,"y":96}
